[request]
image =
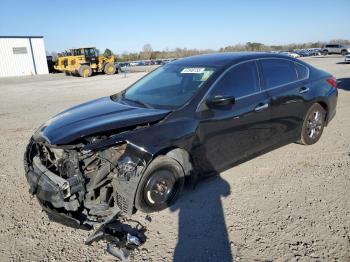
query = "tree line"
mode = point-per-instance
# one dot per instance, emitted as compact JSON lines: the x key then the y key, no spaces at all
{"x":148,"y":53}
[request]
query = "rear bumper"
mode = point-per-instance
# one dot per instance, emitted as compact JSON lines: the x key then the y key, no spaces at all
{"x":332,"y":105}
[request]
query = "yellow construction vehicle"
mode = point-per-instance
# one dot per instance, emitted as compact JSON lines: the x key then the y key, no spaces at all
{"x":84,"y":62}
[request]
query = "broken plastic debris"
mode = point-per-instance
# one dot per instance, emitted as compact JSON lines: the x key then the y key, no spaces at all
{"x":148,"y":218}
{"x":116,"y":251}
{"x":124,"y":236}
{"x":130,"y":239}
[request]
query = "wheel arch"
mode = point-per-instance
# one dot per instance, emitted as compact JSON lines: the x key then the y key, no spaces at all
{"x":325,"y":107}
{"x":181,"y":156}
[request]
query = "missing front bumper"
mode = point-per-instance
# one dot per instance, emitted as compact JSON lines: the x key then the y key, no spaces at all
{"x":53,"y":201}
{"x":51,"y":188}
{"x":80,"y":199}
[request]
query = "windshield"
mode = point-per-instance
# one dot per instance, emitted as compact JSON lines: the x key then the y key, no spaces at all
{"x":169,"y":86}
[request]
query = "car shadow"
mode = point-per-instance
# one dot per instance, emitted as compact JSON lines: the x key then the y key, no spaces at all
{"x":202,"y":229}
{"x":344,"y":83}
{"x":342,"y":63}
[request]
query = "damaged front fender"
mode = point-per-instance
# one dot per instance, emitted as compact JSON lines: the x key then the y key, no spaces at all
{"x":131,"y":167}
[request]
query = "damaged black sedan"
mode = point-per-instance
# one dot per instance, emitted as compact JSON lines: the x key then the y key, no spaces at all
{"x":194,"y":116}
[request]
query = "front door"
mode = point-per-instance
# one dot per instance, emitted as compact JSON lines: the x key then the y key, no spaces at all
{"x":228,"y":134}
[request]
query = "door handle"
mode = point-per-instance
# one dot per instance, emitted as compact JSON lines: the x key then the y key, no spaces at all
{"x":304,"y":90}
{"x":261,"y":107}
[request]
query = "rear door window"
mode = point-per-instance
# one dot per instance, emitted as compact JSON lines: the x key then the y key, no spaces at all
{"x":239,"y":81}
{"x":278,"y":72}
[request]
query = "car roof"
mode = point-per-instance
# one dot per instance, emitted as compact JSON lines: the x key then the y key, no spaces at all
{"x":223,"y":59}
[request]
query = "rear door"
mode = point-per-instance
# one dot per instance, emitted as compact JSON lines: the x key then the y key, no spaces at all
{"x":337,"y":49}
{"x":228,"y":134}
{"x":285,"y":82}
{"x":331,"y":49}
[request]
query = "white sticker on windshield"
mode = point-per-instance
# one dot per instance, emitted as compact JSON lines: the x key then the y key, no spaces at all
{"x":192,"y":70}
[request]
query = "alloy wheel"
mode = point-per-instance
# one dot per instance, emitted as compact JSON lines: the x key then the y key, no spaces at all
{"x":314,"y":124}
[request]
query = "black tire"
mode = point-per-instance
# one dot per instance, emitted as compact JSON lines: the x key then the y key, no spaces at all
{"x":118,"y":70}
{"x":85,"y":71}
{"x":325,"y":52}
{"x":343,"y":52}
{"x":313,"y":125}
{"x":67,"y":73}
{"x":163,"y":173}
{"x":109,"y":69}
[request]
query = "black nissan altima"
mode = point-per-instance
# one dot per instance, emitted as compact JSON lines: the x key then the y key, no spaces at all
{"x":195,"y":116}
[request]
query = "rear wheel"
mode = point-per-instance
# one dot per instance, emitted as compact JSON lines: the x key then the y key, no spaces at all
{"x":344,"y":52}
{"x":160,"y":185}
{"x":110,"y":69}
{"x":85,"y":71}
{"x":313,"y":125}
{"x":325,"y":52}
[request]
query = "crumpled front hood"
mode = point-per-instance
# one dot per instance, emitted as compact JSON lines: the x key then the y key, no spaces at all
{"x":96,"y":116}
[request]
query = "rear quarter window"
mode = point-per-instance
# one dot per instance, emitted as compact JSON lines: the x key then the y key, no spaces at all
{"x":278,"y":72}
{"x":302,"y":71}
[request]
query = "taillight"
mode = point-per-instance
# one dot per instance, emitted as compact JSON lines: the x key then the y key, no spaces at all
{"x":333,"y":81}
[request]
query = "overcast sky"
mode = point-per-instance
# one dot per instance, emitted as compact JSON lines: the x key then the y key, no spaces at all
{"x":128,"y":25}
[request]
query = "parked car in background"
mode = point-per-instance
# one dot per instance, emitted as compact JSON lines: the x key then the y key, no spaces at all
{"x":158,"y":62}
{"x":314,"y":51}
{"x":302,"y":53}
{"x":335,"y":49}
{"x":291,"y":54}
{"x":196,"y":116}
{"x":123,"y":64}
{"x":134,"y":63}
{"x":347,"y":58}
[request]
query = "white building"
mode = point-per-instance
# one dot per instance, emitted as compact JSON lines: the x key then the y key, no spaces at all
{"x":22,"y":55}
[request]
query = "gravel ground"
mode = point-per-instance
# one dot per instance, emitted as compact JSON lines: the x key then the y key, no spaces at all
{"x":290,"y":204}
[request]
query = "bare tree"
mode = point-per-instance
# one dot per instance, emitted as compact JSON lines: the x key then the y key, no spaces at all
{"x":147,"y":51}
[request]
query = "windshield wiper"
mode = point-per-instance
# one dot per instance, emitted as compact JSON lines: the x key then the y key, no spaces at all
{"x":142,"y":103}
{"x":138,"y":102}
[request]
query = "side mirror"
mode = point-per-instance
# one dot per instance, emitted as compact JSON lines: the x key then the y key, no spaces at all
{"x":220,"y":101}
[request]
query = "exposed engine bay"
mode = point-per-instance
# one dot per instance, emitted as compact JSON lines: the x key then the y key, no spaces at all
{"x":80,"y":187}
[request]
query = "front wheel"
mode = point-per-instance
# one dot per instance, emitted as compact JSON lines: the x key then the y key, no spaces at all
{"x":344,"y":52}
{"x":160,"y":185}
{"x":313,"y":125}
{"x":85,"y":71}
{"x":109,"y":69}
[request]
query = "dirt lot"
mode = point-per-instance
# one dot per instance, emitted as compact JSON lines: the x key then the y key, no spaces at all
{"x":290,"y":204}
